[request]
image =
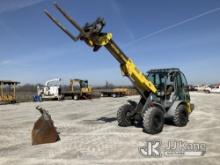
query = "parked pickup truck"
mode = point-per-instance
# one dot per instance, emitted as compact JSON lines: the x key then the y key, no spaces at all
{"x":214,"y":89}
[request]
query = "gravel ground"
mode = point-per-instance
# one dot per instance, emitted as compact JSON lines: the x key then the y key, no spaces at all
{"x":90,"y":135}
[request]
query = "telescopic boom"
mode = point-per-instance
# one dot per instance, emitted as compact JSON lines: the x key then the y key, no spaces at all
{"x":92,"y":34}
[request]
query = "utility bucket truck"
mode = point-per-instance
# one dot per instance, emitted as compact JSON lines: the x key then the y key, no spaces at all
{"x":164,"y":92}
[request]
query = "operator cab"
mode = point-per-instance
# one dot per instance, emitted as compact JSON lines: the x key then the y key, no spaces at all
{"x":83,"y":83}
{"x":171,"y":85}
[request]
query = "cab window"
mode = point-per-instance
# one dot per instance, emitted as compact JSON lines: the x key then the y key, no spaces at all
{"x":184,"y":82}
{"x":158,"y":79}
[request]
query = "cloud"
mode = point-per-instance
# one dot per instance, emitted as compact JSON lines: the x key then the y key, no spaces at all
{"x":11,"y":5}
{"x":5,"y":62}
{"x":173,"y":26}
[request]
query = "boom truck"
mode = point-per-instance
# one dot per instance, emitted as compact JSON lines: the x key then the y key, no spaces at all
{"x":164,"y":92}
{"x":84,"y":91}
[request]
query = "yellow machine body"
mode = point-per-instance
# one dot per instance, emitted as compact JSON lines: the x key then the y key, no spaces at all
{"x":8,"y":96}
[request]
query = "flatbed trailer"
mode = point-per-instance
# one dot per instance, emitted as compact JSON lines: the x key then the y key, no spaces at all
{"x":75,"y":95}
{"x":113,"y":92}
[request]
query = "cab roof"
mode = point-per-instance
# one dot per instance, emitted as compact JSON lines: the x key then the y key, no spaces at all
{"x":165,"y":70}
{"x":9,"y":82}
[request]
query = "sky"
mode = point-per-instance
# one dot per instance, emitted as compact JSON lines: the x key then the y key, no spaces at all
{"x":154,"y":33}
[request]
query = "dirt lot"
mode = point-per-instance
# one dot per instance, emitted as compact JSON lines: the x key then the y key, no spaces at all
{"x":90,"y":135}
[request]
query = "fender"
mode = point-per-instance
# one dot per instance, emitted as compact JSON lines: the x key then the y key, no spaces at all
{"x":170,"y":113}
{"x":146,"y":106}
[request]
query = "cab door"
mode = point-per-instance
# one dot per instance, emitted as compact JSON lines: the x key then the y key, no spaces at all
{"x":182,"y":88}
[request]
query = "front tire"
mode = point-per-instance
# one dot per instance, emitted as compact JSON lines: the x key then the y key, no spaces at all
{"x":181,"y":116}
{"x":122,"y":115}
{"x":153,"y":120}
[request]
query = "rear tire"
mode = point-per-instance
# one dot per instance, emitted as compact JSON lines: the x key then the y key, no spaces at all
{"x":153,"y":120}
{"x":181,"y":116}
{"x":122,"y":115}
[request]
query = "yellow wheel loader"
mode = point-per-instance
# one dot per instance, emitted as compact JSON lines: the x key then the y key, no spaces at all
{"x":164,"y":92}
